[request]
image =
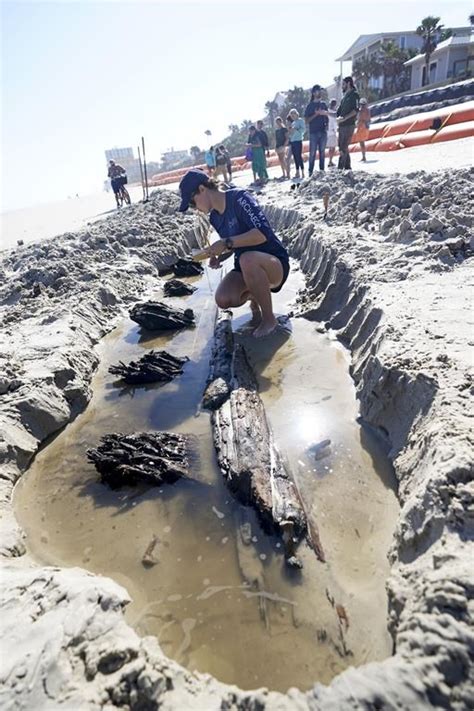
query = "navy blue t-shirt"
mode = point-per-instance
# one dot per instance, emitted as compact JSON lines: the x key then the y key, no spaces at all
{"x":243,"y":213}
{"x":319,"y":123}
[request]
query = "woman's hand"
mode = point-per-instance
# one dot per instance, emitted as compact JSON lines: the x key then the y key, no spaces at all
{"x":216,"y":248}
{"x":214,"y":262}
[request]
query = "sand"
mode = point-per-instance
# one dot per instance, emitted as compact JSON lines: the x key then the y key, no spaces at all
{"x":390,"y":274}
{"x":44,"y":221}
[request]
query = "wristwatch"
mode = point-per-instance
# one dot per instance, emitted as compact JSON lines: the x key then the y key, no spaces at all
{"x":229,"y":243}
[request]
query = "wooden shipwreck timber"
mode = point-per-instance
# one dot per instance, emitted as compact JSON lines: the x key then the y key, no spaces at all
{"x":176,"y":287}
{"x":153,"y":367}
{"x":151,"y":457}
{"x":248,"y":458}
{"x":185,"y":267}
{"x":158,"y":316}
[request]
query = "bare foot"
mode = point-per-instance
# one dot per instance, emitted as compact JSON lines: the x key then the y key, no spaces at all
{"x":256,"y":314}
{"x":265,"y":328}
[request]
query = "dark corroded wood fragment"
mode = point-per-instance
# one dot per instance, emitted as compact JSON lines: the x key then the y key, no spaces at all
{"x":186,"y":267}
{"x":220,"y":371}
{"x":249,"y":460}
{"x":151,"y":457}
{"x":153,"y":367}
{"x":175,"y":287}
{"x":158,"y":316}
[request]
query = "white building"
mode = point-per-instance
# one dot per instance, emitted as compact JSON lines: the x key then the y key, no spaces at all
{"x":171,"y":157}
{"x":453,"y":58}
{"x":367,"y":45}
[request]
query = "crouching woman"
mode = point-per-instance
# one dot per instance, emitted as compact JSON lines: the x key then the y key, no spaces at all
{"x":261,"y":264}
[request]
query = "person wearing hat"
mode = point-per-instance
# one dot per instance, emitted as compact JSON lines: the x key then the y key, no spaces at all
{"x":316,"y":116}
{"x":116,"y":174}
{"x":363,"y":123}
{"x":261,"y":262}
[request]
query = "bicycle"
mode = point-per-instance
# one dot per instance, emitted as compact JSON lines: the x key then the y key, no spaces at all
{"x":121,"y":195}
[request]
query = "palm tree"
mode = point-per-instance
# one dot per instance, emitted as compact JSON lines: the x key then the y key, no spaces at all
{"x":396,"y":75}
{"x":430,"y":30}
{"x":245,"y":125}
{"x":272,"y":108}
{"x":296,"y":98}
{"x":364,"y":69}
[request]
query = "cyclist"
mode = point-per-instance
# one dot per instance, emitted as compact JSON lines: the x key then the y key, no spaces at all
{"x":118,"y":178}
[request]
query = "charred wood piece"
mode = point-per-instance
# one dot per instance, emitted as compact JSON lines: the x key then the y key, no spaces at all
{"x":175,"y":287}
{"x":248,"y":458}
{"x":158,"y":316}
{"x":186,"y":267}
{"x":153,"y":367}
{"x":152,"y":457}
{"x":220,"y":373}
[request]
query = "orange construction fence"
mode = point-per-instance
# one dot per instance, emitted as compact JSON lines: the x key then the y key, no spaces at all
{"x":416,"y":130}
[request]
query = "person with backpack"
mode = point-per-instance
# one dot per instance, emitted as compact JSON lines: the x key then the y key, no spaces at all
{"x":221,"y":163}
{"x":316,"y":116}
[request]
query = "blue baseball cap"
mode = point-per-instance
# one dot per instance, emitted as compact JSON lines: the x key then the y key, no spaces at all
{"x":189,"y":184}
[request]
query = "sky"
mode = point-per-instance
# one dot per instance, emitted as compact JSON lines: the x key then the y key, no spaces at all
{"x":80,"y":77}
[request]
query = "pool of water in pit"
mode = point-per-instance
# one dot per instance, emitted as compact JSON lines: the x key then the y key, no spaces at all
{"x":216,"y":603}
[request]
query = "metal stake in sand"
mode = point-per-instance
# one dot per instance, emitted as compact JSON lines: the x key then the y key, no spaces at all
{"x":326,"y":205}
{"x":141,"y":171}
{"x":144,"y":168}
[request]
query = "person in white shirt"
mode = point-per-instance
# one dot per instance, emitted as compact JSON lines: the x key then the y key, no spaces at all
{"x":332,"y":131}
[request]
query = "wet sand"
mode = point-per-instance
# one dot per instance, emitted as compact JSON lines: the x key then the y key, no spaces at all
{"x":216,"y":604}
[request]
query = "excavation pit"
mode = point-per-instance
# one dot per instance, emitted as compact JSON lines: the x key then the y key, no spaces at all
{"x":205,"y":579}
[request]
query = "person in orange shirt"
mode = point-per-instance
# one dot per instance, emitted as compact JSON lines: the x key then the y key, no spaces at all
{"x":363,"y":124}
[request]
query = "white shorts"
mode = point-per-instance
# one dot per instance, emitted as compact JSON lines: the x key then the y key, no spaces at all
{"x":332,"y":140}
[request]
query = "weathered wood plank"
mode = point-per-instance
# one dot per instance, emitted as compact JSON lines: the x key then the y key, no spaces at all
{"x":246,"y":452}
{"x":220,"y":369}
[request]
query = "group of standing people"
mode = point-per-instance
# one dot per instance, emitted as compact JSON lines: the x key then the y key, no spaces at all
{"x":218,"y":162}
{"x":328,"y":127}
{"x":333,"y":125}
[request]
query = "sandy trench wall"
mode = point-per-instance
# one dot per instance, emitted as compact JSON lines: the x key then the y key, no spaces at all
{"x":81,"y":653}
{"x":57,"y":299}
{"x":427,"y":425}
